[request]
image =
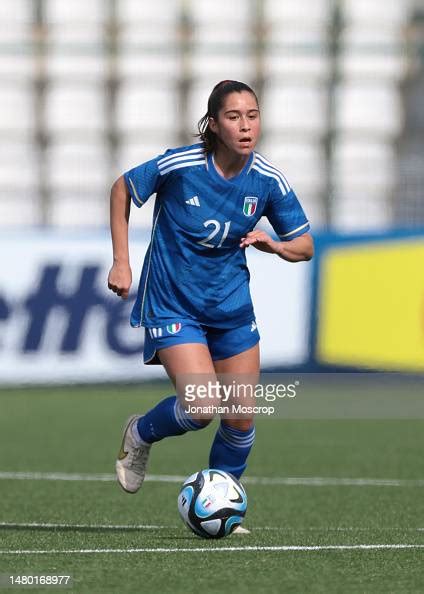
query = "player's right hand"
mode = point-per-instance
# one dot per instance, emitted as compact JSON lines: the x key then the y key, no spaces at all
{"x":119,"y":280}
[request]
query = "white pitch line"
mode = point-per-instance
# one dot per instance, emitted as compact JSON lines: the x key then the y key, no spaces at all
{"x":333,"y":529}
{"x":334,"y":482}
{"x":57,"y":476}
{"x":84,"y":526}
{"x":248,"y":480}
{"x":52,"y":525}
{"x":285,"y":548}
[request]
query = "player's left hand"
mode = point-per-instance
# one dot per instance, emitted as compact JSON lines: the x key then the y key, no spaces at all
{"x":261,"y":241}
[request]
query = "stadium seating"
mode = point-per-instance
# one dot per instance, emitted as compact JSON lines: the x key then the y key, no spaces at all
{"x":19,"y":184}
{"x":293,"y":22}
{"x":208,"y":67}
{"x":160,"y":63}
{"x":222,"y":42}
{"x":410,"y":208}
{"x":17,"y":55}
{"x":298,"y":108}
{"x":368,"y":108}
{"x":147,"y":108}
{"x":364,"y":179}
{"x":368,"y":113}
{"x":140,"y":12}
{"x":296,"y":67}
{"x":149,"y":67}
{"x":19,"y":167}
{"x":221,"y":21}
{"x":75,"y":12}
{"x":73,"y":209}
{"x":148,"y":36}
{"x":372,"y":54}
{"x":75,"y":109}
{"x":76,"y":67}
{"x":132,"y":150}
{"x":381,"y":14}
{"x":76,"y":53}
{"x":78,"y":178}
{"x":77,"y":166}
{"x":347,"y":212}
{"x":17,"y":211}
{"x":295,"y":61}
{"x":112,"y":83}
{"x":288,"y":12}
{"x":15,"y":12}
{"x":363,"y":164}
{"x":303,"y":163}
{"x":19,"y":65}
{"x":17,"y":111}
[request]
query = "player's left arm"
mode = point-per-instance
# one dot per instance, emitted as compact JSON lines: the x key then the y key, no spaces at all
{"x":299,"y":249}
{"x":286,"y":215}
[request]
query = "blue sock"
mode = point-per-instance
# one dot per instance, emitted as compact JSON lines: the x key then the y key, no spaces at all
{"x":165,"y":419}
{"x":230,"y":449}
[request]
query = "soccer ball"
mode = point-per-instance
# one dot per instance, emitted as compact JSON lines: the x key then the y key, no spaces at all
{"x":212,"y":503}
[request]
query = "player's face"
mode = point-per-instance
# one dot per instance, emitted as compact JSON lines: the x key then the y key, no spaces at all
{"x":238,"y":123}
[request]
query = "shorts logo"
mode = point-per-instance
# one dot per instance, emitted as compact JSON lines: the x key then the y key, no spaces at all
{"x":249,"y":206}
{"x":253,"y":327}
{"x":174,"y":328}
{"x":155,"y":332}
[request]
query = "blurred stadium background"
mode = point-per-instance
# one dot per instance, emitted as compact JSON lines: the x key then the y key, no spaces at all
{"x":90,"y":88}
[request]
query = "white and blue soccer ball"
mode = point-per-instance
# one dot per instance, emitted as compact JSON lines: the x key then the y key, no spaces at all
{"x":212,"y":503}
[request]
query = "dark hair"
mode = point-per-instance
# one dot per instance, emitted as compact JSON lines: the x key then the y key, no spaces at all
{"x":215,"y":102}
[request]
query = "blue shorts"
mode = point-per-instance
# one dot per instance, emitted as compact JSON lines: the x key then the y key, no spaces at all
{"x":222,"y":342}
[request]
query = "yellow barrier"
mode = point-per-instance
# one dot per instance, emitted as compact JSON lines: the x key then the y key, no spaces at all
{"x":371,"y":306}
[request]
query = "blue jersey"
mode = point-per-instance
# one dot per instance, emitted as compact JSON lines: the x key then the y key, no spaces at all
{"x":194,"y":267}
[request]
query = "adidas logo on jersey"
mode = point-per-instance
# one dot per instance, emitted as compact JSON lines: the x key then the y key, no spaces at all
{"x":193,"y":201}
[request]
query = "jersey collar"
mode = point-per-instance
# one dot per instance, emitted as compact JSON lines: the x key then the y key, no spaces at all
{"x":232,"y":180}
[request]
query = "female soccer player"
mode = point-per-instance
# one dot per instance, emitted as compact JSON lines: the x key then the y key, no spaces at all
{"x":193,"y":297}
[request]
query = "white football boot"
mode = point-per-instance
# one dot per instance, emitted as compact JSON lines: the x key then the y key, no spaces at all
{"x":240,"y":530}
{"x":132,"y":459}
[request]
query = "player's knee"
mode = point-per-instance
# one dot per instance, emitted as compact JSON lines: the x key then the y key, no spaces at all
{"x":202,"y":421}
{"x":240,"y":424}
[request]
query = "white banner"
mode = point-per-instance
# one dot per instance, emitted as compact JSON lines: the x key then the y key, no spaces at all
{"x":60,"y":324}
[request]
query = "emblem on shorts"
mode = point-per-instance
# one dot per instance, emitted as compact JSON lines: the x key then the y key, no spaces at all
{"x":155,"y":332}
{"x":253,"y":327}
{"x":174,"y":328}
{"x":249,"y":206}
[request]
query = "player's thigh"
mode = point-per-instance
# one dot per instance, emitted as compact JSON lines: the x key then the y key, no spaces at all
{"x":185,"y":359}
{"x":242,"y":368}
{"x":246,"y":362}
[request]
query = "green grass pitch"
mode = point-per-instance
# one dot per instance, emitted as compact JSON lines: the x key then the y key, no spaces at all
{"x":139,"y":543}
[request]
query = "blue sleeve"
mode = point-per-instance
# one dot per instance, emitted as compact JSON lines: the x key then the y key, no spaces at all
{"x":143,"y":181}
{"x":285,"y":213}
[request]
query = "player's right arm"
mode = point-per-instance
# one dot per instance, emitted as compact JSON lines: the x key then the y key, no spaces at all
{"x":120,"y":275}
{"x":137,"y":185}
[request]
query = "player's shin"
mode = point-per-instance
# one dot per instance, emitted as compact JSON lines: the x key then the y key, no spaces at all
{"x":231,"y":448}
{"x":166,"y":419}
